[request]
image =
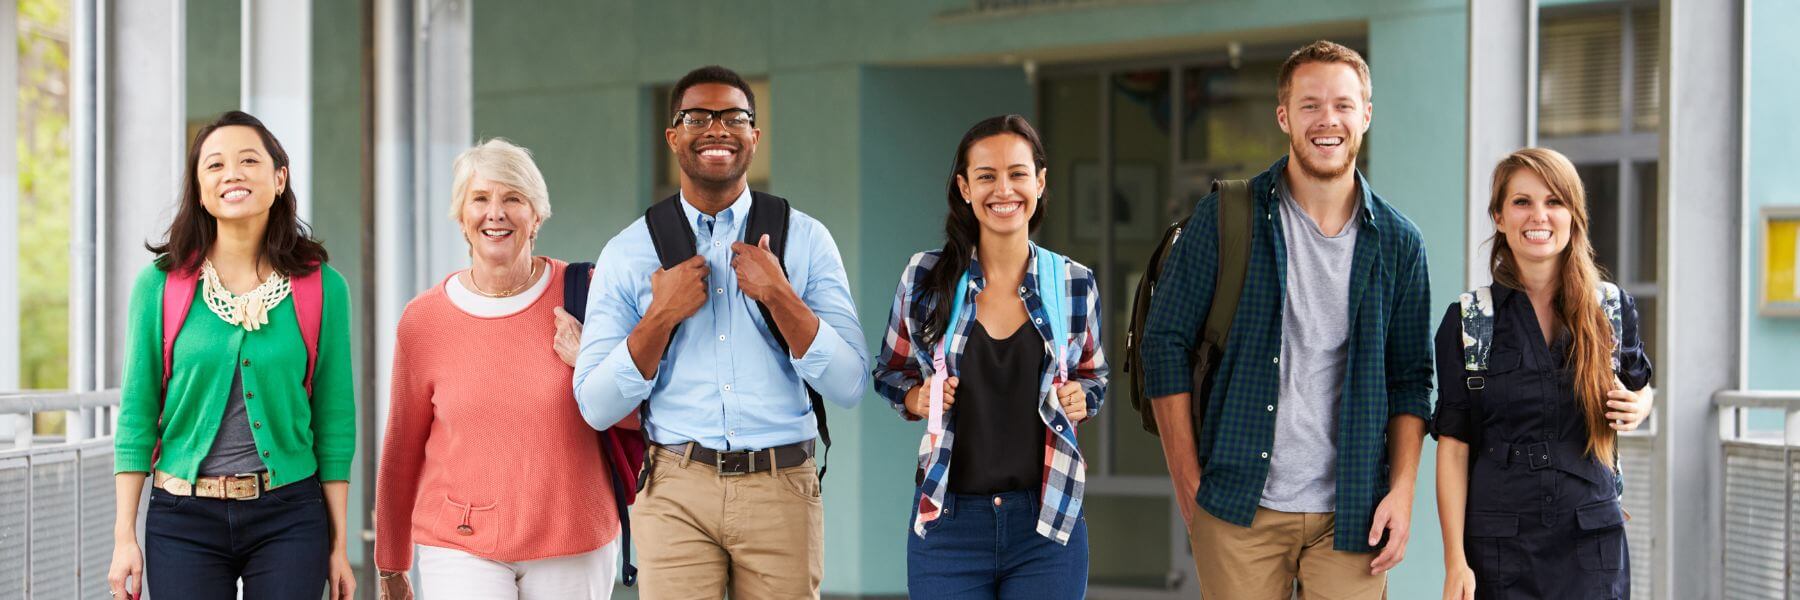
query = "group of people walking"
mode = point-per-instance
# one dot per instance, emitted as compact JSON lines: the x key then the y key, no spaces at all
{"x":690,"y":363}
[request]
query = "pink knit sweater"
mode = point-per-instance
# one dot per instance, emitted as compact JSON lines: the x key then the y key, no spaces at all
{"x":485,"y":450}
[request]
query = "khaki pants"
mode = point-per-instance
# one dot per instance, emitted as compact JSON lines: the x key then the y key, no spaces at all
{"x":699,"y":535}
{"x":1280,"y":556}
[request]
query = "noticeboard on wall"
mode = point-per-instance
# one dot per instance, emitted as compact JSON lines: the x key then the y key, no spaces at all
{"x":1780,"y":261}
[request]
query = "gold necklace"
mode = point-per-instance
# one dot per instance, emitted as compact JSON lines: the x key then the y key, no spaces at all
{"x":505,"y":293}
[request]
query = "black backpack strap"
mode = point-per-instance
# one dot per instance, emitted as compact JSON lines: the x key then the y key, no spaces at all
{"x":670,"y":231}
{"x":770,"y":215}
{"x":1235,"y":219}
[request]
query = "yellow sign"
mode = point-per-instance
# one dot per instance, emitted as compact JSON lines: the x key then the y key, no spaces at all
{"x":1781,"y":261}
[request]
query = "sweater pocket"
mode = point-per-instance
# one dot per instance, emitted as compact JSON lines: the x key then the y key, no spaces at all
{"x":472,"y":527}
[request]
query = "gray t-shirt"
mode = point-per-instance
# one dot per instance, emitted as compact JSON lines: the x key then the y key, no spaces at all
{"x":233,"y":450}
{"x":1315,"y":328}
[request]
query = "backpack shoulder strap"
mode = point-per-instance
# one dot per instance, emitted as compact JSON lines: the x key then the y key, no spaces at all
{"x":771,"y":215}
{"x":576,"y":278}
{"x":1053,"y":290}
{"x":1234,"y":257}
{"x":670,"y":231}
{"x":1611,"y":303}
{"x":309,"y":309}
{"x":177,"y":298}
{"x":1477,"y":332}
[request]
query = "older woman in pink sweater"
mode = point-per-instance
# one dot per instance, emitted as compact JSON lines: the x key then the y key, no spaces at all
{"x":487,"y":464}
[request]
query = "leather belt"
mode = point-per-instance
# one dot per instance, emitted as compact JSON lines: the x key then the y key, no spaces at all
{"x":743,"y":462}
{"x":248,"y":486}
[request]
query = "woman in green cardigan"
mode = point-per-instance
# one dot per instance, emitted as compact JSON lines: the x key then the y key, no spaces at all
{"x":245,"y":420}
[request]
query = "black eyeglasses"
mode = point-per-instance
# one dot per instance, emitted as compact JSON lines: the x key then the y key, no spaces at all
{"x":697,"y":120}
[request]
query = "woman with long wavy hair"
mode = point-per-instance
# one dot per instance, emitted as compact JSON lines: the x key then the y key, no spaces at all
{"x":1537,"y":375}
{"x":237,"y":401}
{"x":996,"y":341}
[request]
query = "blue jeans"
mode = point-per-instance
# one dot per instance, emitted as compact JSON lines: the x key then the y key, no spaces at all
{"x":279,"y":544}
{"x":988,"y":547}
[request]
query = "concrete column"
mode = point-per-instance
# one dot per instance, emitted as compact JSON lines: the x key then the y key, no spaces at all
{"x":1502,"y":109}
{"x":445,"y":119}
{"x":277,"y":82}
{"x":9,"y":196}
{"x":141,"y":149}
{"x":394,"y":240}
{"x":1702,"y":309}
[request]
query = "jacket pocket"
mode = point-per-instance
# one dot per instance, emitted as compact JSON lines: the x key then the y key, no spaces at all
{"x":1491,"y":547}
{"x":1601,"y":543}
{"x":476,"y":528}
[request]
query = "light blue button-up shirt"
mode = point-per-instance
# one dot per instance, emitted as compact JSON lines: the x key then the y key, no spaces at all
{"x":724,"y":382}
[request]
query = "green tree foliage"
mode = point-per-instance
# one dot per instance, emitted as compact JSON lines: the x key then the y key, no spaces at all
{"x":44,"y":211}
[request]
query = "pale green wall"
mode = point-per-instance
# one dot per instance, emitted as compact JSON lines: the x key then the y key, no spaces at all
{"x":1774,"y":134}
{"x":863,"y":143}
{"x":213,"y":47}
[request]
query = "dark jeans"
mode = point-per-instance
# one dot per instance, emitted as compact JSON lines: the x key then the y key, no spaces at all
{"x":988,"y":547}
{"x":279,"y":544}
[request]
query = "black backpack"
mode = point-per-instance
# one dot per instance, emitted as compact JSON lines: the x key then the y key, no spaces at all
{"x":623,"y":450}
{"x":1234,"y":258}
{"x":769,"y":215}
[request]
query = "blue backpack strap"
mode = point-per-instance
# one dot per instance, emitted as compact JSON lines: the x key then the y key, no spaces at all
{"x":1477,"y":334}
{"x":1053,"y":291}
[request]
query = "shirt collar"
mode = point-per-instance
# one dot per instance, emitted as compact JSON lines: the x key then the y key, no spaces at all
{"x":732,"y":215}
{"x":1278,"y":180}
{"x":977,"y":275}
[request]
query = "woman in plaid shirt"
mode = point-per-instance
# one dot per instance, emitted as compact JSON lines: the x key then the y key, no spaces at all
{"x":1006,"y":522}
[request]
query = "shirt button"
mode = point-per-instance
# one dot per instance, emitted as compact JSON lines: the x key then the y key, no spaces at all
{"x":1278,"y":360}
{"x":997,"y":501}
{"x":1271,"y":408}
{"x":1265,"y":455}
{"x":727,"y":387}
{"x":721,"y":338}
{"x":731,"y":433}
{"x":715,"y":244}
{"x":1021,"y":290}
{"x":1059,"y":429}
{"x":1549,"y":498}
{"x":1038,"y":321}
{"x":719,"y":291}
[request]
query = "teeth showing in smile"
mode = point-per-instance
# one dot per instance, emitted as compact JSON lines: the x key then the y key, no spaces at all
{"x":1005,"y":208}
{"x":1328,"y":142}
{"x":1537,"y":234}
{"x":496,"y":233}
{"x":236,"y":194}
{"x":716,"y":152}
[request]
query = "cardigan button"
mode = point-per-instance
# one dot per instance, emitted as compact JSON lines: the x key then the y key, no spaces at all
{"x":265,"y":454}
{"x":256,"y":425}
{"x":246,"y":362}
{"x":249,"y":395}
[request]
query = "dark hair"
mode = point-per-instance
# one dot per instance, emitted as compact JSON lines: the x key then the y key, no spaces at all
{"x":709,"y":74}
{"x":961,"y":230}
{"x":287,"y":243}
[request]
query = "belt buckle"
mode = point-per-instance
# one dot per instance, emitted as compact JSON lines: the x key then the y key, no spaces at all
{"x":744,"y":468}
{"x":255,"y":484}
{"x":1537,"y":455}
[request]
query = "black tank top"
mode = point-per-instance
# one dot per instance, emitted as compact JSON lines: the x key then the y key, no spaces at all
{"x":999,"y":445}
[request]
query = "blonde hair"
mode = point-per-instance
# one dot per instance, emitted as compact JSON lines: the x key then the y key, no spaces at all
{"x":1590,"y":356}
{"x":1322,"y":51}
{"x":502,"y":162}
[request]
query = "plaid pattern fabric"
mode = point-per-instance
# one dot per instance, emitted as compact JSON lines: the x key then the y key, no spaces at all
{"x":1390,"y":353}
{"x":904,"y":364}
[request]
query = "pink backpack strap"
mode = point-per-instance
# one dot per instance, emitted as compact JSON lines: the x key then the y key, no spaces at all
{"x":178,"y":297}
{"x":309,"y":303}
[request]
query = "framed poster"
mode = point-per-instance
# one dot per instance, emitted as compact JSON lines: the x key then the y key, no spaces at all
{"x":1780,"y":261}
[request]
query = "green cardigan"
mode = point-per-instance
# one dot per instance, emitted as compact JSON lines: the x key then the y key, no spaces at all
{"x":297,"y":436}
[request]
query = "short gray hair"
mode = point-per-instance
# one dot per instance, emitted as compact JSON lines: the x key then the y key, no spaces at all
{"x":504,"y":163}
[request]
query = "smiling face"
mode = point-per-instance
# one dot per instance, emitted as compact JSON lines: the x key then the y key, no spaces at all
{"x":238,"y":180}
{"x":720,"y":155}
{"x":498,"y":221}
{"x":1002,"y":184}
{"x":1325,"y":116}
{"x":1535,"y":221}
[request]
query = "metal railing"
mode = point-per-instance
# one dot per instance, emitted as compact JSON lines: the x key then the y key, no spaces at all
{"x":56,"y":496}
{"x":1760,"y":434}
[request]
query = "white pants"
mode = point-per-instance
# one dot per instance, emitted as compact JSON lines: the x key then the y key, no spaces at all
{"x":446,"y":574}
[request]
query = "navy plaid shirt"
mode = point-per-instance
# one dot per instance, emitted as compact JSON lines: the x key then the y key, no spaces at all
{"x":904,"y":363}
{"x":1390,"y":353}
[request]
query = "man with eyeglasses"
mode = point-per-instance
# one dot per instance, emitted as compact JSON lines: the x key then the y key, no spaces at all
{"x":723,"y":352}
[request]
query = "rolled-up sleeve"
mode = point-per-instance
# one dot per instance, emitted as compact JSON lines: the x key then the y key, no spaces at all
{"x":1409,"y":339}
{"x":835,"y":364}
{"x":1453,"y":417}
{"x":608,"y":386}
{"x":897,"y":370}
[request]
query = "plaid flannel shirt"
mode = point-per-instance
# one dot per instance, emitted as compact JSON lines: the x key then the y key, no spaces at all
{"x":1390,"y":353}
{"x":904,"y":364}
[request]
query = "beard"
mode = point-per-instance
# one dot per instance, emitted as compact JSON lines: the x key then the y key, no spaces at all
{"x":710,"y":176}
{"x":1318,"y":168}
